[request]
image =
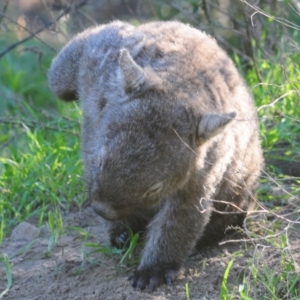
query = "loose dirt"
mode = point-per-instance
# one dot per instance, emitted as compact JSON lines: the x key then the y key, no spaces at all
{"x":71,"y":271}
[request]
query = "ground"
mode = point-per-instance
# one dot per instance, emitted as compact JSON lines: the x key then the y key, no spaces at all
{"x":68,"y":271}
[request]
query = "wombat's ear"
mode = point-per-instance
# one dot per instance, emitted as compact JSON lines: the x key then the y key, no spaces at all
{"x":212,"y":124}
{"x":62,"y":75}
{"x":133,"y":76}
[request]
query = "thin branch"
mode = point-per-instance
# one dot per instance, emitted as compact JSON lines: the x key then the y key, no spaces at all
{"x":26,"y":29}
{"x":239,"y":210}
{"x":33,"y":34}
{"x":249,"y":40}
{"x":275,"y":101}
{"x":282,"y":21}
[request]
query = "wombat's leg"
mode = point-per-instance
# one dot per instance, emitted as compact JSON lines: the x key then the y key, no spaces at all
{"x":171,"y":237}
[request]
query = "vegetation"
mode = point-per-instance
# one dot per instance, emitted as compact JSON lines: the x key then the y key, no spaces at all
{"x":40,"y":167}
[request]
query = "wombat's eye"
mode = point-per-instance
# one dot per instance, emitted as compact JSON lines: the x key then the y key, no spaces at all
{"x":154,"y":189}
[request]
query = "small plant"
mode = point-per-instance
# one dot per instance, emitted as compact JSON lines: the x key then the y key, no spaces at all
{"x":56,"y":227}
{"x":187,"y":291}
{"x":4,"y":259}
{"x":128,"y":256}
{"x":242,"y":291}
{"x":224,"y":288}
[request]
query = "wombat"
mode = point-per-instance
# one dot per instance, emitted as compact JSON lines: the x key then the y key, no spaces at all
{"x":169,"y":137}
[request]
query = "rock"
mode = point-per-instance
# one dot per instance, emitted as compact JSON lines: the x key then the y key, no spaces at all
{"x":24,"y":232}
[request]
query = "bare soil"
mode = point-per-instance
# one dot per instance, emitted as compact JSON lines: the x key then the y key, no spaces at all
{"x":68,"y":272}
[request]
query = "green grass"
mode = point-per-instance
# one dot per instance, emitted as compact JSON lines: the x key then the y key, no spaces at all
{"x":224,"y":287}
{"x":40,"y":165}
{"x":277,"y":98}
{"x":187,"y":291}
{"x":4,"y":259}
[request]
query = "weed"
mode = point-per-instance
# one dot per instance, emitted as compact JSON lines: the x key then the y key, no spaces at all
{"x":56,"y":227}
{"x":128,"y":256}
{"x":4,"y":259}
{"x":224,"y":289}
{"x":187,"y":291}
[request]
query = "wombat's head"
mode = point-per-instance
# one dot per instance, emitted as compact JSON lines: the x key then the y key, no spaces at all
{"x":142,"y":161}
{"x":148,"y":155}
{"x":139,"y":149}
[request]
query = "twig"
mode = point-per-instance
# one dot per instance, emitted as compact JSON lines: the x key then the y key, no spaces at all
{"x":26,"y":29}
{"x":275,"y":101}
{"x":279,"y":20}
{"x":239,"y":210}
{"x":33,"y":34}
{"x":249,"y":39}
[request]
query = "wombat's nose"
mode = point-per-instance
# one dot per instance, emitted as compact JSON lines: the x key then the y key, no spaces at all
{"x":105,"y":211}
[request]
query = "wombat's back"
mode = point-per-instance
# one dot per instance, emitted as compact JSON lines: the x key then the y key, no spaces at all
{"x":189,"y":64}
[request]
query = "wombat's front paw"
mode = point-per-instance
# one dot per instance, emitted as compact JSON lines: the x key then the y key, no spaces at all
{"x":154,"y":276}
{"x":120,"y":240}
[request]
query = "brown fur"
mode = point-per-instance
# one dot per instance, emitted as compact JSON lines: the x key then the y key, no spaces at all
{"x":168,"y":126}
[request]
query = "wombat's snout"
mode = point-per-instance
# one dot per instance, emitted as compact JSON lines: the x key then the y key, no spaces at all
{"x":105,"y":211}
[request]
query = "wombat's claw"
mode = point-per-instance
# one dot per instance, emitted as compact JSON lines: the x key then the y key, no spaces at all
{"x":153,"y":277}
{"x":122,"y":238}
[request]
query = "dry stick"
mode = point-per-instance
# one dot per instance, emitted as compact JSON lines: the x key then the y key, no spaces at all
{"x":254,"y":240}
{"x":33,"y":34}
{"x":24,"y":40}
{"x":239,"y":210}
{"x":249,"y":37}
{"x":279,"y":20}
{"x":275,"y":101}
{"x":294,"y":9}
{"x":266,"y":54}
{"x":26,"y":29}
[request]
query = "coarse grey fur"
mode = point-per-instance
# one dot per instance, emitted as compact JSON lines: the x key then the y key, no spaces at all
{"x":168,"y":128}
